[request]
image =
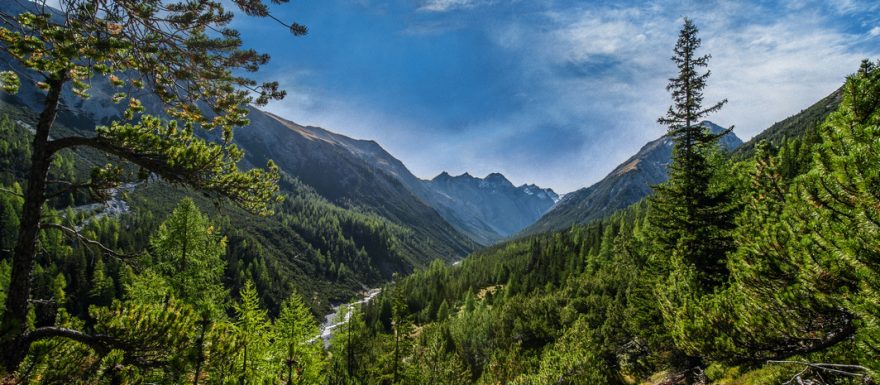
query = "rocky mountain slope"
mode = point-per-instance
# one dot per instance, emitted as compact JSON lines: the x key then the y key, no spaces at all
{"x":628,"y":183}
{"x":344,"y":171}
{"x":486,"y":210}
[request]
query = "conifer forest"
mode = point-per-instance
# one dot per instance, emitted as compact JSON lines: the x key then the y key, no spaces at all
{"x":158,"y":226}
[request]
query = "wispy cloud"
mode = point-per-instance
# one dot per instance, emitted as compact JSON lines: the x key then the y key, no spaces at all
{"x":451,"y":5}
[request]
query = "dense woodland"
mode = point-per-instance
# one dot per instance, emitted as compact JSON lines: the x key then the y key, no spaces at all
{"x":757,"y":267}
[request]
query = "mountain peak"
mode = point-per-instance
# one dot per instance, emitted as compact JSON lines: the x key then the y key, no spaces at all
{"x":494,"y":181}
{"x":443,"y":176}
{"x":729,"y":142}
{"x":496,"y":178}
{"x":487,"y":209}
{"x":712,"y":126}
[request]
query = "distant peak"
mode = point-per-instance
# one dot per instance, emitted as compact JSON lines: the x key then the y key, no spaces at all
{"x":466,"y":175}
{"x":442,"y":175}
{"x":539,"y":192}
{"x":712,"y":126}
{"x":496,"y":177}
{"x":729,"y":142}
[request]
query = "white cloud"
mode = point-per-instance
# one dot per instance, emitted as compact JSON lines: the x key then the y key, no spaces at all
{"x":450,"y":5}
{"x":874,"y":32}
{"x":771,"y":72}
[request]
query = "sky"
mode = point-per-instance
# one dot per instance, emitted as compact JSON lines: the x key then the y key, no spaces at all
{"x":551,"y":92}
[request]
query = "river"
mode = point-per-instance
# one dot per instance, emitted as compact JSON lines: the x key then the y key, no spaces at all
{"x":330,"y":319}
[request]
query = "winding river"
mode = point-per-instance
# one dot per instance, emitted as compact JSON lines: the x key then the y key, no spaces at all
{"x":330,"y":322}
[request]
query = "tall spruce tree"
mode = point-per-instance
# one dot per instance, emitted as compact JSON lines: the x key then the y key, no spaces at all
{"x":691,"y":217}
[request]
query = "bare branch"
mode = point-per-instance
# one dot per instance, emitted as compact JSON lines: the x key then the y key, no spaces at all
{"x":851,"y":370}
{"x":88,"y":241}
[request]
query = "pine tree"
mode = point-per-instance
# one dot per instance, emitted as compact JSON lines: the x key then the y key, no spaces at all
{"x":573,"y":359}
{"x":767,"y":311}
{"x":844,"y":220}
{"x":442,"y":311}
{"x":692,"y":217}
{"x":435,"y":363}
{"x":101,"y":292}
{"x":692,"y":214}
{"x":399,"y":324}
{"x":348,"y":347}
{"x":188,"y":59}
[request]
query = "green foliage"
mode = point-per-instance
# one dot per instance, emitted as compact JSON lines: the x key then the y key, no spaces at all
{"x":841,"y":188}
{"x":5,"y":270}
{"x":603,"y":303}
{"x":189,"y":253}
{"x":573,"y":359}
{"x":189,"y":60}
{"x":433,"y":362}
{"x":9,"y":82}
{"x":254,"y":329}
{"x":692,"y":214}
{"x":178,"y":156}
{"x":351,"y":355}
{"x":295,"y":340}
{"x":672,"y":290}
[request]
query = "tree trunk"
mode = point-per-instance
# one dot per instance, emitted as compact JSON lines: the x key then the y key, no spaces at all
{"x":200,"y":359}
{"x":15,"y":316}
{"x":290,"y":364}
{"x":396,"y":351}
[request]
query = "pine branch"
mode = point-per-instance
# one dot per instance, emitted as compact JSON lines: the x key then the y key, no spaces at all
{"x":101,"y":344}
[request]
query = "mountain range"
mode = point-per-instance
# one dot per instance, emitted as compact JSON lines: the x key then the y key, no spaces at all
{"x":360,"y":173}
{"x":488,"y":209}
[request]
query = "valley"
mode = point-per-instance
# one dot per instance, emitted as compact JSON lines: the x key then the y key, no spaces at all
{"x":167,"y":215}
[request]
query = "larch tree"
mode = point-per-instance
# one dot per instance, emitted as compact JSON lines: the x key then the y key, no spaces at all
{"x":297,"y":344}
{"x":189,"y":252}
{"x":254,"y":327}
{"x":181,"y":55}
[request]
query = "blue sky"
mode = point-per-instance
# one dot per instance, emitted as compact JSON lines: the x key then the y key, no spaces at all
{"x":552,"y":92}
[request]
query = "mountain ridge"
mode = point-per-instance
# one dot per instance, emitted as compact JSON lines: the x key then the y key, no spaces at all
{"x":626,"y":184}
{"x":489,"y":209}
{"x":486,"y":210}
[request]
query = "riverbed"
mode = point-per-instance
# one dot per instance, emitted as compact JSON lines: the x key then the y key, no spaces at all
{"x":330,"y":321}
